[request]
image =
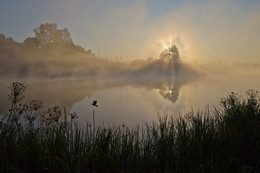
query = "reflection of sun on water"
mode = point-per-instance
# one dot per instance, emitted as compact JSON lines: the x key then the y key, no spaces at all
{"x":169,"y":91}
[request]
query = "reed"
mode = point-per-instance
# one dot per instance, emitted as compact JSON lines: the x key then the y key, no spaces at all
{"x":225,"y":138}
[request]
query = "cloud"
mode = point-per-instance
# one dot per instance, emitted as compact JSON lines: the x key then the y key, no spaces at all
{"x":115,"y":27}
{"x":206,"y":30}
{"x":224,"y":30}
{"x":214,"y":30}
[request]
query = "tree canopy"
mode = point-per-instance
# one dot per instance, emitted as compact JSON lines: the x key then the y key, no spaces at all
{"x":172,"y":53}
{"x":48,"y":33}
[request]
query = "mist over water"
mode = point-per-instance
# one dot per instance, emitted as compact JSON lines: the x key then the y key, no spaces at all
{"x":135,"y":98}
{"x":132,"y":101}
{"x":60,"y":73}
{"x":130,"y":86}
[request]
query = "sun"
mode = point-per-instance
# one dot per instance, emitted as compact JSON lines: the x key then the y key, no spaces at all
{"x":166,"y":43}
{"x":179,"y":42}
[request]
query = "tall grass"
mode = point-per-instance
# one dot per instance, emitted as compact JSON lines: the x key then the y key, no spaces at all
{"x":223,"y":139}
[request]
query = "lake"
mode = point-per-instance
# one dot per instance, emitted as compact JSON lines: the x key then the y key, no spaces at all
{"x":133,"y":100}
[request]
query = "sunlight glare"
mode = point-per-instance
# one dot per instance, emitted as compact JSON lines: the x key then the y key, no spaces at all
{"x":177,"y":41}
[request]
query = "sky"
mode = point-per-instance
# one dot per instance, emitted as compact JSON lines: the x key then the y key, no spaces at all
{"x":203,"y":30}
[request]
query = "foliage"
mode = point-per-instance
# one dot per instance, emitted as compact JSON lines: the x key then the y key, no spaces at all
{"x":49,"y":34}
{"x":225,"y":139}
{"x":16,"y":92}
{"x":47,"y":54}
{"x":172,"y":53}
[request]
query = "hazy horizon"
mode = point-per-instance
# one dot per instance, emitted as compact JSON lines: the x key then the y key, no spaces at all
{"x":203,"y":30}
{"x":129,"y":85}
{"x":165,"y":55}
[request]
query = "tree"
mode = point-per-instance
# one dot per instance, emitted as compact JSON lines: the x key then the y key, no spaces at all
{"x":49,"y":34}
{"x":172,"y":53}
{"x":31,"y":42}
{"x":2,"y":37}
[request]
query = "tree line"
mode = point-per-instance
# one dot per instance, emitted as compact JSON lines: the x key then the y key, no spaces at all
{"x":46,"y":35}
{"x":20,"y":59}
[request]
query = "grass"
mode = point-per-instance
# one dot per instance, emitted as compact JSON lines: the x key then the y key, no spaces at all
{"x":224,"y":139}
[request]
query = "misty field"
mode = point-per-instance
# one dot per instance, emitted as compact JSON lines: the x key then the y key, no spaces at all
{"x":225,"y":138}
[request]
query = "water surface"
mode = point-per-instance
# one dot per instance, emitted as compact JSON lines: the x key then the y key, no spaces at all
{"x":133,"y":100}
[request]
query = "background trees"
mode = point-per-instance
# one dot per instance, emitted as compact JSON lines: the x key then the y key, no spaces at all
{"x":49,"y":34}
{"x":172,"y":53}
{"x":48,"y":53}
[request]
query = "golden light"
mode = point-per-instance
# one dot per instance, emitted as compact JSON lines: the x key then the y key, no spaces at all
{"x":178,"y":41}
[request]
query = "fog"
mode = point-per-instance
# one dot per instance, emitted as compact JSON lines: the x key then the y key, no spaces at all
{"x":51,"y":54}
{"x":57,"y":71}
{"x":208,"y":30}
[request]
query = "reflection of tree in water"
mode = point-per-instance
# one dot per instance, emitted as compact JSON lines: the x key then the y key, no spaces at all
{"x":172,"y":57}
{"x":167,"y":74}
{"x":56,"y":92}
{"x":170,"y":92}
{"x":170,"y":89}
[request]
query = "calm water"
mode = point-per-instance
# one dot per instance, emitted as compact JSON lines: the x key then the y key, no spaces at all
{"x":132,"y":101}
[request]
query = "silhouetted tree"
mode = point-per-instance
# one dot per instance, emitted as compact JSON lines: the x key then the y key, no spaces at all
{"x":31,"y":42}
{"x":172,"y":53}
{"x":2,"y":37}
{"x":49,"y":34}
{"x":172,"y":57}
{"x":89,"y":51}
{"x":9,"y":40}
